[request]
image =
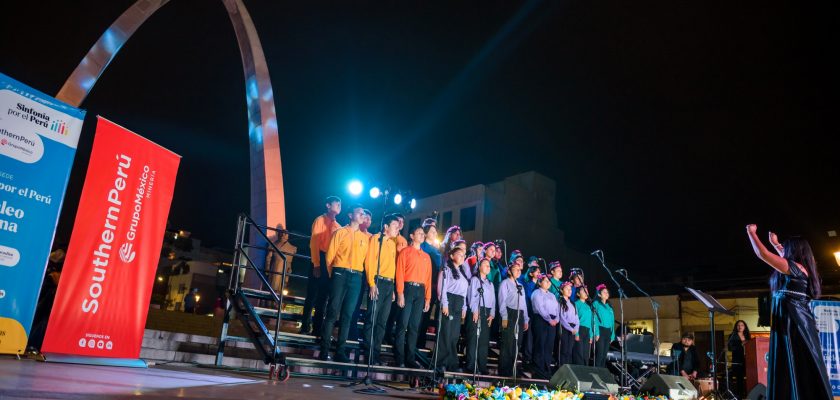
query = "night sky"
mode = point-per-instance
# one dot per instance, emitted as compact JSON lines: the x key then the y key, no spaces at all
{"x":667,"y":125}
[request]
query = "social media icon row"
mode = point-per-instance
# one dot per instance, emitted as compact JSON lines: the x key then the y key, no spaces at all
{"x":100,"y":344}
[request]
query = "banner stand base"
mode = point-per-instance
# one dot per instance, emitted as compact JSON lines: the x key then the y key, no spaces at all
{"x":104,"y":361}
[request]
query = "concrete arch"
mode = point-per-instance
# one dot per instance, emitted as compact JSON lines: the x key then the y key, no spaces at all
{"x":267,"y":204}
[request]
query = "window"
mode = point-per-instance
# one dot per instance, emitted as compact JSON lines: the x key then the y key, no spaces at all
{"x":468,"y":219}
{"x":447,"y":220}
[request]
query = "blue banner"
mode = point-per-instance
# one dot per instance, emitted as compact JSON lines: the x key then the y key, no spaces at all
{"x":38,"y":138}
{"x":827,"y":314}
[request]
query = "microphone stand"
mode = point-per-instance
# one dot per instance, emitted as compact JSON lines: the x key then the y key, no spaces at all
{"x":439,"y":318}
{"x":478,"y":327}
{"x":516,"y":327}
{"x":367,"y":381}
{"x":621,"y":296}
{"x":655,"y":306}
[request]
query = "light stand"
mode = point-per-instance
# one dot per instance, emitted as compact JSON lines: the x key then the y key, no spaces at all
{"x":621,"y":296}
{"x":655,"y":306}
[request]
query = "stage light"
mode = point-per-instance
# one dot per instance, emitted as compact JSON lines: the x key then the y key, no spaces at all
{"x":285,"y":292}
{"x":413,"y":203}
{"x":355,"y":187}
{"x":374,"y":192}
{"x":397,"y":199}
{"x":837,"y":257}
{"x":160,"y":279}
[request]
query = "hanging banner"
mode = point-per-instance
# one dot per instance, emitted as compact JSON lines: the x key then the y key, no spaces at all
{"x":38,"y":138}
{"x":827,"y":314}
{"x":103,"y":296}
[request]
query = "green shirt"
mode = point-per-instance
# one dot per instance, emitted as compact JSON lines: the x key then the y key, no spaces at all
{"x":555,"y":288}
{"x":495,"y":275}
{"x":604,"y":317}
{"x":584,"y":312}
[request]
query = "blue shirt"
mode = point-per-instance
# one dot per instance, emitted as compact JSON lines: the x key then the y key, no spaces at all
{"x":530,"y":288}
{"x":434,"y":254}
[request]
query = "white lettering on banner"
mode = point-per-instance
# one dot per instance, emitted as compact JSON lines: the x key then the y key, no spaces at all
{"x":102,"y":254}
{"x":7,"y":210}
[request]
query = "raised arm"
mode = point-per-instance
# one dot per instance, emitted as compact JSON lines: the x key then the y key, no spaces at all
{"x":773,"y":260}
{"x":774,"y":240}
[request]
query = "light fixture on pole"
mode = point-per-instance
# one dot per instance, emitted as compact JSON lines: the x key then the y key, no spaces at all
{"x":375,"y":192}
{"x":398,"y":199}
{"x":355,"y":187}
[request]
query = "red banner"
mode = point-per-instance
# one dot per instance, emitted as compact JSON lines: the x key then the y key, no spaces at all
{"x":103,"y":294}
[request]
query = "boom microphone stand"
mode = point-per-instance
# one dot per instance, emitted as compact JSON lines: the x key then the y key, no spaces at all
{"x":621,"y":296}
{"x":655,"y":306}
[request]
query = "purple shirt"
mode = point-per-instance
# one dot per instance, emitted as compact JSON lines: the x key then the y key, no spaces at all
{"x":508,"y":298}
{"x":474,"y":298}
{"x":569,"y":318}
{"x":545,"y":304}
{"x":454,"y":286}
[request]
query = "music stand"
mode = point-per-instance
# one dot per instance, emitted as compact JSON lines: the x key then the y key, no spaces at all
{"x":713,"y":306}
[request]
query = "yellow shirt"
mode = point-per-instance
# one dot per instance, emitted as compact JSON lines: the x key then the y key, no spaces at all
{"x":401,"y":242}
{"x":322,"y":230}
{"x":348,"y":249}
{"x":389,"y":259}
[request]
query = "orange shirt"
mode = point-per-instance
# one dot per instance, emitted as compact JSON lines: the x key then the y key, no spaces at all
{"x":401,"y":242}
{"x":414,"y":265}
{"x":322,"y":230}
{"x":388,"y":264}
{"x":348,"y":249}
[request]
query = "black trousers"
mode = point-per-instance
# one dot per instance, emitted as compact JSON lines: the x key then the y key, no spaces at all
{"x":344,"y":291}
{"x":602,"y":346}
{"x":544,"y":335}
{"x":528,"y":341}
{"x":567,"y":347}
{"x":581,"y":352}
{"x":509,"y":340}
{"x":376,"y":328}
{"x":450,"y":332}
{"x":478,"y":342}
{"x":317,"y":293}
{"x":405,"y":343}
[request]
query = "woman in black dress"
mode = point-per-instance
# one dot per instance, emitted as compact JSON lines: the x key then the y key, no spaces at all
{"x":737,"y":339}
{"x":795,"y":370}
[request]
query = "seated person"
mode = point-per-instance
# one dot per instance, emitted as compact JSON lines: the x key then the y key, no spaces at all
{"x":685,"y":357}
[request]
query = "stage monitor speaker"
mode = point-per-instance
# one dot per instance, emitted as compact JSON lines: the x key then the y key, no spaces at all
{"x":675,"y":387}
{"x":584,"y":379}
{"x":759,"y":392}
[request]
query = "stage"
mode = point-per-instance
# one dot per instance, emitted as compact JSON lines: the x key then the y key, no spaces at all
{"x":27,"y":379}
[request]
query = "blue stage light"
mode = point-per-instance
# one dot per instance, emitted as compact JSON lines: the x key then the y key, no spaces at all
{"x":355,"y":187}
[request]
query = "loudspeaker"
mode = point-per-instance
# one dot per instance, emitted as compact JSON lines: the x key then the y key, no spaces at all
{"x":584,"y":379}
{"x":675,"y":387}
{"x":759,"y":392}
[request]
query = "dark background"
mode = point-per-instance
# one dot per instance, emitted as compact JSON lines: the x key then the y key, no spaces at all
{"x":667,"y":125}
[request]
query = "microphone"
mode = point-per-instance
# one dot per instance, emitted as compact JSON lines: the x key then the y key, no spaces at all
{"x":480,"y":290}
{"x":594,"y":252}
{"x":519,"y":289}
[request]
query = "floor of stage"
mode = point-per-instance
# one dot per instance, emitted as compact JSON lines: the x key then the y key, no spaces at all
{"x":27,"y":379}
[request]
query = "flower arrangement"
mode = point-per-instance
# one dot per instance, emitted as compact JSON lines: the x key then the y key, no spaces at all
{"x":466,"y":391}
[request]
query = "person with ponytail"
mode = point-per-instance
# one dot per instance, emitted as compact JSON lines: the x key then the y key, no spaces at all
{"x":482,"y":305}
{"x":604,"y":324}
{"x":795,"y":368}
{"x":453,"y":283}
{"x":569,"y":322}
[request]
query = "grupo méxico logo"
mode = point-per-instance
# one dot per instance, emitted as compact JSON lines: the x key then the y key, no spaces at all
{"x":127,"y":252}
